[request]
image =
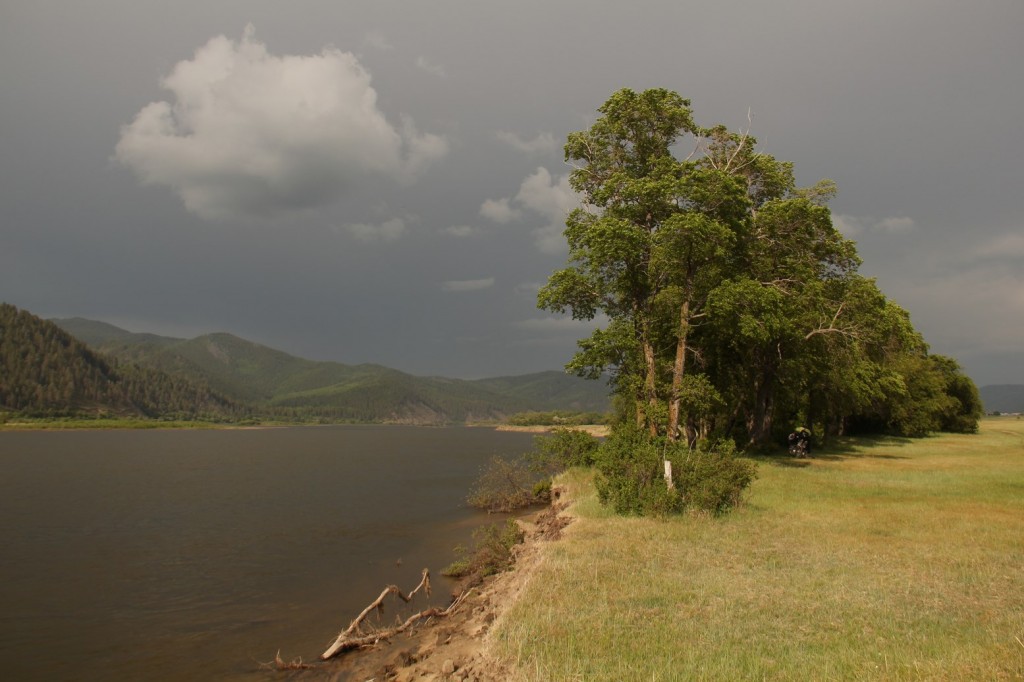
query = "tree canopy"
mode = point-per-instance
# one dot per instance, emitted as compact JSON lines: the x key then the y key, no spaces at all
{"x":734,"y":305}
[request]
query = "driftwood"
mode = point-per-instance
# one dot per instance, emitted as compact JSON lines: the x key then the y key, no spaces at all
{"x":353,"y":637}
{"x":279,"y":664}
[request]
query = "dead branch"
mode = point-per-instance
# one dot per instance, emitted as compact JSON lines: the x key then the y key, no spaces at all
{"x":850,"y":330}
{"x":742,"y":142}
{"x":279,"y":664}
{"x":353,"y":637}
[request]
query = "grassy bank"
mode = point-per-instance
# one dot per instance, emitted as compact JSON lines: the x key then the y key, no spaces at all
{"x":882,"y":560}
{"x":22,"y":424}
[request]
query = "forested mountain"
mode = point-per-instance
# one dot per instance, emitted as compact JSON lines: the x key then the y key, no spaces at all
{"x":1003,"y":397}
{"x":280,"y":385}
{"x":45,"y":372}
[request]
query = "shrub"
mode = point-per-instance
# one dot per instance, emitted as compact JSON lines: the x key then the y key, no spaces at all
{"x":711,"y":478}
{"x":542,"y":491}
{"x":630,"y":475}
{"x":503,"y":486}
{"x":561,"y":449}
{"x":492,"y":552}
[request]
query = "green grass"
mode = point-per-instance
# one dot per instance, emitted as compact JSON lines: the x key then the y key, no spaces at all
{"x":878,"y":560}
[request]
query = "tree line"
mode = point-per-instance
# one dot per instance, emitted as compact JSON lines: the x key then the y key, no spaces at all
{"x":46,"y":372}
{"x":734,"y":306}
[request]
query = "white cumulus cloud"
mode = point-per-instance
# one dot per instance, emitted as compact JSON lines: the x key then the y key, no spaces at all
{"x":250,"y":133}
{"x":552,"y":199}
{"x":546,"y":196}
{"x":499,"y":210}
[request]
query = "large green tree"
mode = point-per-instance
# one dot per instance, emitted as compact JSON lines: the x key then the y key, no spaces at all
{"x":731,"y":298}
{"x":628,"y":178}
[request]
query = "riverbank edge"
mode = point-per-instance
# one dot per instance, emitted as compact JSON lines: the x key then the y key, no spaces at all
{"x":597,"y":430}
{"x":460,"y":647}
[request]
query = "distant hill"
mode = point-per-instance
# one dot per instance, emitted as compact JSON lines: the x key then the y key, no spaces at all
{"x":276,"y":383}
{"x":46,"y":372}
{"x":1003,"y":397}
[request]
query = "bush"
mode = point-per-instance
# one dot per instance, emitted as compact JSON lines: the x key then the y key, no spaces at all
{"x":709,"y":478}
{"x":542,"y":491}
{"x":504,"y":486}
{"x":562,"y":449}
{"x":630,"y":476}
{"x":492,"y":552}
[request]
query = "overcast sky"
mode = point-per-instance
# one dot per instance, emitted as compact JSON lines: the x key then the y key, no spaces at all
{"x":379,"y":181}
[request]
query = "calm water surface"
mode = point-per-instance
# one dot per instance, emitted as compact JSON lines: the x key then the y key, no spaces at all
{"x":194,"y":555}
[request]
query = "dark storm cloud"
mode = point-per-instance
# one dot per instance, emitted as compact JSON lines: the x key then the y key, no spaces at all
{"x":257,"y":216}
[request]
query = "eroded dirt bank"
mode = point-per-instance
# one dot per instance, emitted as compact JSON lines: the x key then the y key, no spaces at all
{"x":455,"y":648}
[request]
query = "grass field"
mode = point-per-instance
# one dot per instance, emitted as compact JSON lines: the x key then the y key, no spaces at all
{"x":888,"y":559}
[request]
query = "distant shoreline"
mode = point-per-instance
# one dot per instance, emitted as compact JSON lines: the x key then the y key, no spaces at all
{"x":598,"y":430}
{"x":121,"y":424}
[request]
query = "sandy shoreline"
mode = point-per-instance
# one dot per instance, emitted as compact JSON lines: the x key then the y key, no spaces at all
{"x":599,"y":430}
{"x":457,"y":648}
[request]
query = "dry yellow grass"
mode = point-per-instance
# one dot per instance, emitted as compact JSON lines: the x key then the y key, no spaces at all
{"x":883,"y":560}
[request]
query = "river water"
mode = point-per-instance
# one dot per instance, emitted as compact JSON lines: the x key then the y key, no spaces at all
{"x":196,"y":555}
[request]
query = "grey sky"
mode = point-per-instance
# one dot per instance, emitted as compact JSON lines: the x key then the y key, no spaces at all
{"x":383,"y":181}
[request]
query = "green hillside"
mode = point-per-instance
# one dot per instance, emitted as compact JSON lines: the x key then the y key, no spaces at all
{"x":280,"y":385}
{"x":46,"y":372}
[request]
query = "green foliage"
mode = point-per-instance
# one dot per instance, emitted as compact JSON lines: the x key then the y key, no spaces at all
{"x":965,"y":407}
{"x":503,"y":486}
{"x":491,"y":553}
{"x":630,"y":475}
{"x":561,"y":449}
{"x":732,"y":300}
{"x":709,"y":478}
{"x":542,"y":491}
{"x":47,"y":373}
{"x":279,"y":386}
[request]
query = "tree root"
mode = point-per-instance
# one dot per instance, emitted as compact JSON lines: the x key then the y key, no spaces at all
{"x":353,"y":637}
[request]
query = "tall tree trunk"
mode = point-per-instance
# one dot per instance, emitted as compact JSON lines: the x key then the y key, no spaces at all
{"x":678,"y":371}
{"x":650,"y":386}
{"x":760,"y":422}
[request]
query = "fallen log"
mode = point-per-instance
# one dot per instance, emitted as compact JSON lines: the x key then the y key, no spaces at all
{"x":353,"y":637}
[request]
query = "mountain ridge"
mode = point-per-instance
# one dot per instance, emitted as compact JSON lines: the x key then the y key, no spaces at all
{"x":273,"y":380}
{"x":47,"y":372}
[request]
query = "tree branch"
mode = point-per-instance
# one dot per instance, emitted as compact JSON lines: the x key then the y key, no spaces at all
{"x":353,"y":637}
